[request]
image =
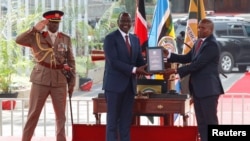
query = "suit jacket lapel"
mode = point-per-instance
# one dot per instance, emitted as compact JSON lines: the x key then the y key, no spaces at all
{"x":132,"y":51}
{"x":203,"y":43}
{"x":121,"y":41}
{"x":47,"y":38}
{"x":125,"y":46}
{"x":197,"y":52}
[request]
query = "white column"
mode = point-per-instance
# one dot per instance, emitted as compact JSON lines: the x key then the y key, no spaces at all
{"x":26,"y":5}
{"x":86,"y":47}
{"x":52,"y":5}
{"x":9,"y":23}
{"x":73,"y":24}
{"x":66,"y":3}
{"x":60,"y":7}
{"x":43,"y":5}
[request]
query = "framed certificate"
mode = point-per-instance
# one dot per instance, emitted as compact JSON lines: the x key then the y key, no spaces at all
{"x":155,"y":59}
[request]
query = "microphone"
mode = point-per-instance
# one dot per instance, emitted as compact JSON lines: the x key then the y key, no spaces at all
{"x":177,"y":39}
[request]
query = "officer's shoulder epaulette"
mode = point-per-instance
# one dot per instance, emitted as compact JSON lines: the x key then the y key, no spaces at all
{"x":64,"y":34}
{"x":45,"y":33}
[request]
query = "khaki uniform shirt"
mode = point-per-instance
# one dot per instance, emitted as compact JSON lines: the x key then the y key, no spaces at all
{"x":49,"y":57}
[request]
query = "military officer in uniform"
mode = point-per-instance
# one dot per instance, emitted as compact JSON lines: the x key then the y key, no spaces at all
{"x":53,"y":74}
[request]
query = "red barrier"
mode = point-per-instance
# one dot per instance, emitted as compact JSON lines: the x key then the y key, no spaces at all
{"x":6,"y":105}
{"x":86,"y":86}
{"x":83,"y":132}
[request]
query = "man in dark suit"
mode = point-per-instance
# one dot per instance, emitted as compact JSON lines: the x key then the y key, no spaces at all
{"x":123,"y":61}
{"x":204,"y":84}
{"x":53,"y":55}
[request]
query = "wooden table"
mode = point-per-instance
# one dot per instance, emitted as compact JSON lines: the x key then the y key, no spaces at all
{"x":164,"y":107}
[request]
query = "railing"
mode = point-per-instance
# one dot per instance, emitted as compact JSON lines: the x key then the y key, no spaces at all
{"x":232,"y":109}
{"x":14,"y":120}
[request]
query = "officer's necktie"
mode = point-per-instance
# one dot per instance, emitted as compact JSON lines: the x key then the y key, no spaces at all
{"x":127,"y":44}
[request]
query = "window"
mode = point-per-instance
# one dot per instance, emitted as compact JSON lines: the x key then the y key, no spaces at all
{"x":220,"y":29}
{"x":247,"y":27}
{"x":236,"y":30}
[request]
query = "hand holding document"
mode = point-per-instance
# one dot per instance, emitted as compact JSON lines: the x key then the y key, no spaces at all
{"x":142,"y":70}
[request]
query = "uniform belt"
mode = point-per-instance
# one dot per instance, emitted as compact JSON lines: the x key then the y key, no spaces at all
{"x":47,"y":65}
